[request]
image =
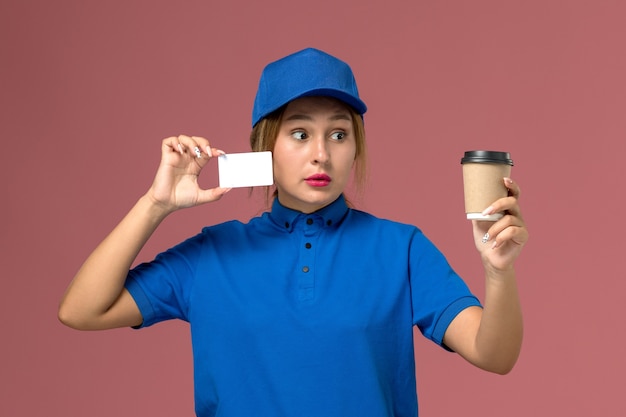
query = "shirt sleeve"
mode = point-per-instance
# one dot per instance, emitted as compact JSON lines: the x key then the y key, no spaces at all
{"x":161,"y":287}
{"x":438,"y":293}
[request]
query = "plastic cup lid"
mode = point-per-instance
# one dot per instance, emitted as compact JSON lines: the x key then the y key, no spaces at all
{"x":487,"y":157}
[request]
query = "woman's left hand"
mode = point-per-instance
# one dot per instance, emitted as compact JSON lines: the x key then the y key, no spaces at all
{"x":501,"y":242}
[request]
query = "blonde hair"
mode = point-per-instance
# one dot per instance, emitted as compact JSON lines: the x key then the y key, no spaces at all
{"x":265,"y":132}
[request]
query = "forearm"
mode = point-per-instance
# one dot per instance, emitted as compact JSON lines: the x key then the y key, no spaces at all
{"x":491,"y":337}
{"x":499,"y":336}
{"x":100,"y":281}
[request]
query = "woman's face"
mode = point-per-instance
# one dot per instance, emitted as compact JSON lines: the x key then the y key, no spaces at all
{"x":314,"y":153}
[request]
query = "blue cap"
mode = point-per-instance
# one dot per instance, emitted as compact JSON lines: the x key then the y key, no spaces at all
{"x":306,"y":73}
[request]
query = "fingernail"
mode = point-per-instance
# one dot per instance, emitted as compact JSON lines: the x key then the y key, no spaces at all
{"x":508,"y":181}
{"x":180,"y":149}
{"x":220,"y":152}
{"x":487,"y":211}
{"x":208,"y":151}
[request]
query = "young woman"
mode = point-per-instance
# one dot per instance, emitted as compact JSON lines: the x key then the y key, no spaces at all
{"x":308,"y":309}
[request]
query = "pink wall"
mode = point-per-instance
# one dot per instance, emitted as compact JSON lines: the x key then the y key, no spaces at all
{"x":88,"y":89}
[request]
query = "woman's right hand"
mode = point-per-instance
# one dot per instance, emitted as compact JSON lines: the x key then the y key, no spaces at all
{"x":96,"y":298}
{"x":176,"y":185}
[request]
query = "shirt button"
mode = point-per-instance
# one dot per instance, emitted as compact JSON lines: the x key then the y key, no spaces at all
{"x":307,"y":245}
{"x":309,"y":221}
{"x":305,"y":269}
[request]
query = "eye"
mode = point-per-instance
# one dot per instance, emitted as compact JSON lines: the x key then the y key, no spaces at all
{"x":338,"y":135}
{"x":300,"y":135}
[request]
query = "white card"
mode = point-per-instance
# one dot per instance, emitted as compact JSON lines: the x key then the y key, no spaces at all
{"x":245,"y":169}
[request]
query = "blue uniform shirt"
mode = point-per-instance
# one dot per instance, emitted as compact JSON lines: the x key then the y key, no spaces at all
{"x":302,"y":315}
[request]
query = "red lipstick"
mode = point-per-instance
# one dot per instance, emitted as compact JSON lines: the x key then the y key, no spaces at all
{"x":318,"y":180}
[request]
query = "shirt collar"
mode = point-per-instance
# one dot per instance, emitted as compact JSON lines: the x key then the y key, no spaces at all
{"x":331,"y":214}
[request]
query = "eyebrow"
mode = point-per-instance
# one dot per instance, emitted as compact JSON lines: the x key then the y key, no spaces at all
{"x":336,"y":116}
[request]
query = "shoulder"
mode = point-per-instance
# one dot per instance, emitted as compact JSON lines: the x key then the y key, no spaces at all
{"x":236,"y":232}
{"x":360,"y":217}
{"x":226,"y":227}
{"x":366,"y":226}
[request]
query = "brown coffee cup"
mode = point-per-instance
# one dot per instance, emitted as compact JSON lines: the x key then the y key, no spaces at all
{"x":483,"y":173}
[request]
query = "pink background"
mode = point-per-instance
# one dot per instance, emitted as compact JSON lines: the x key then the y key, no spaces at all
{"x":88,"y":89}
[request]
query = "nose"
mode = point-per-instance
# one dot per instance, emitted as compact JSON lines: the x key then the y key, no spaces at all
{"x":321,"y":153}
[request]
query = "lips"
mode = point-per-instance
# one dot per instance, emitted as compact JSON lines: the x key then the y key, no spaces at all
{"x":318,"y":180}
